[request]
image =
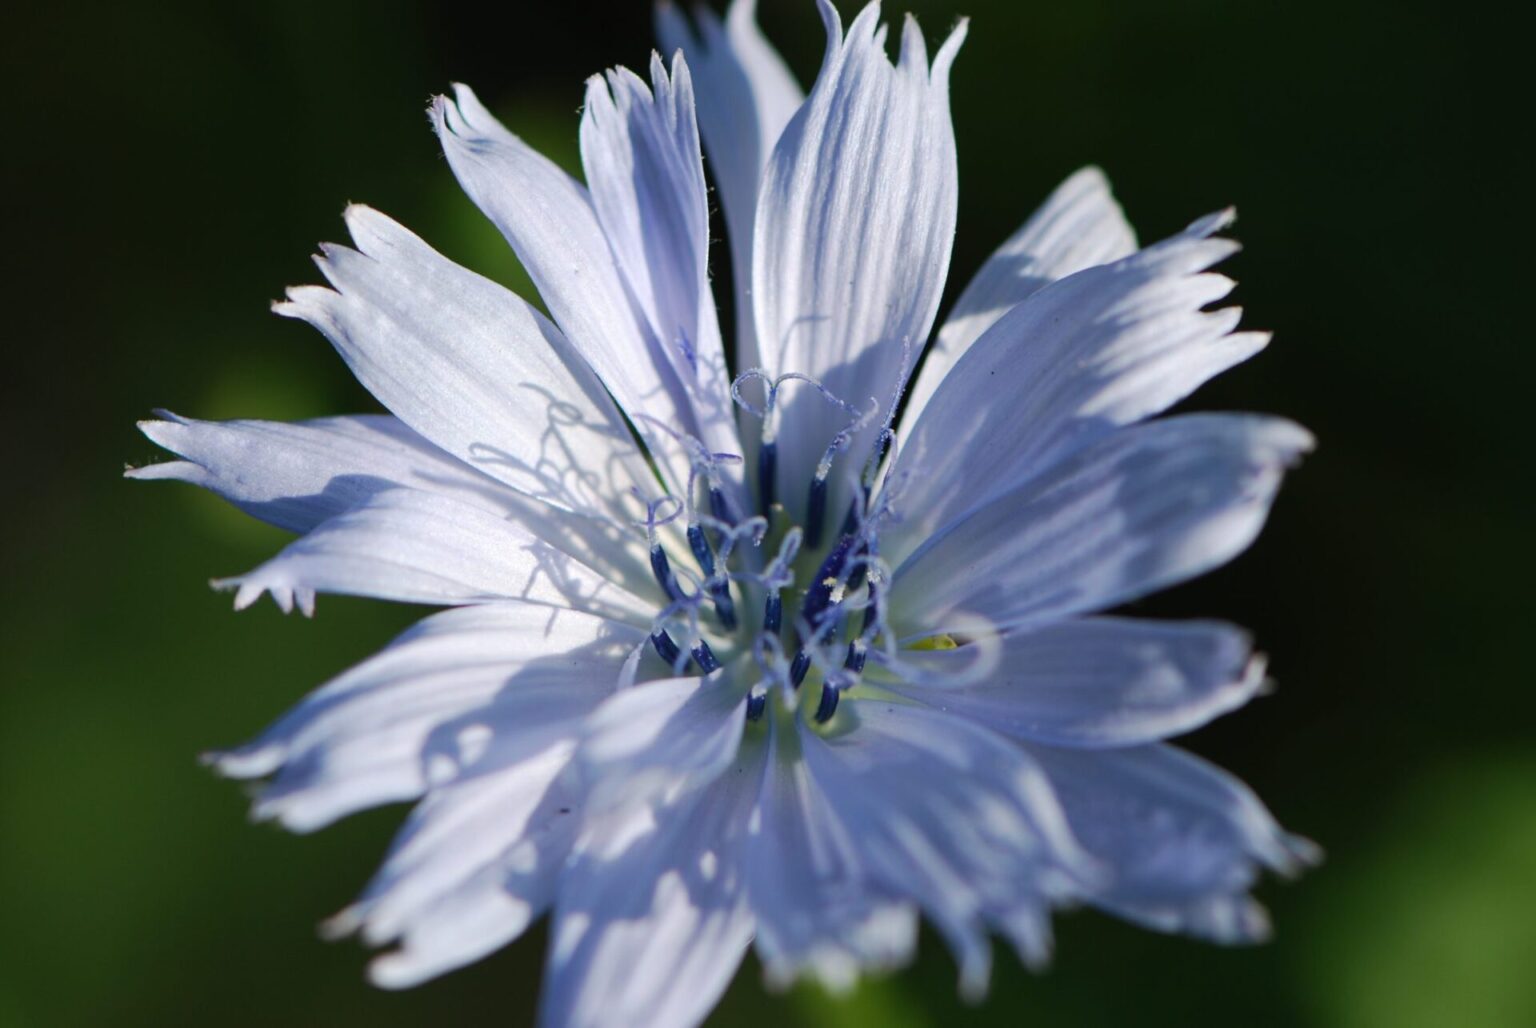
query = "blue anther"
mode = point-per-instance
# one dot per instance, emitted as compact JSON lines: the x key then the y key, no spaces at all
{"x":816,"y":511}
{"x":706,"y":657}
{"x":756,"y":705}
{"x":818,"y":598}
{"x":857,"y":654}
{"x":725,"y":607}
{"x":720,"y":507}
{"x":701,"y":551}
{"x":773,"y":614}
{"x":767,"y":469}
{"x":798,"y":669}
{"x":828,"y":705}
{"x":662,"y":569}
{"x":719,"y":589}
{"x":666,"y":649}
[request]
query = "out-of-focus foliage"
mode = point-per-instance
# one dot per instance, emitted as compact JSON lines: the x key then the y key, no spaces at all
{"x":168,"y":167}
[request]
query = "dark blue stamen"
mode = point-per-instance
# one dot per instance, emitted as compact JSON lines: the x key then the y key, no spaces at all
{"x":828,"y":705}
{"x":725,"y":607}
{"x":756,"y":705}
{"x":662,"y":569}
{"x":719,"y":507}
{"x":816,"y":511}
{"x":767,"y":469}
{"x":818,"y":598}
{"x":773,"y":614}
{"x":706,"y":657}
{"x":666,"y":649}
{"x":701,"y":551}
{"x":798,"y":669}
{"x":719,"y":590}
{"x":857,"y":654}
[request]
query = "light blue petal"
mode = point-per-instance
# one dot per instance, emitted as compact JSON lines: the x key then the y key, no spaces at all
{"x":640,"y":148}
{"x":1184,"y":839}
{"x":296,"y":475}
{"x":660,"y":738}
{"x":480,"y":709}
{"x":1090,"y":353}
{"x":1078,"y":227}
{"x":852,"y":239}
{"x":419,"y":547}
{"x":1143,"y":509}
{"x":944,"y":811}
{"x":548,"y":218}
{"x":1098,"y":682}
{"x":476,"y":686}
{"x":746,"y":95}
{"x":819,"y":914}
{"x":472,"y":368}
{"x":477,"y":862}
{"x":652,"y":920}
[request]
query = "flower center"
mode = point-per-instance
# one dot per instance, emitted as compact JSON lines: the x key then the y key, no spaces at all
{"x":762,"y":594}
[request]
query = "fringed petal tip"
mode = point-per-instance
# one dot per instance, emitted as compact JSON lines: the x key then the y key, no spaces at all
{"x":256,"y":760}
{"x":1255,"y":679}
{"x":974,"y":956}
{"x":401,"y":969}
{"x":1212,"y":223}
{"x":339,"y":926}
{"x":1235,"y":921}
{"x":178,"y":470}
{"x":944,"y":60}
{"x":249,"y":588}
{"x":1289,"y":441}
{"x":308,"y":303}
{"x":461,"y":115}
{"x":1302,"y":855}
{"x":163,"y":431}
{"x":884,"y":942}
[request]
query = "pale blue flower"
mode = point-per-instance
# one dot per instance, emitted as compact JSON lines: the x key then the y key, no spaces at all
{"x":742,"y":657}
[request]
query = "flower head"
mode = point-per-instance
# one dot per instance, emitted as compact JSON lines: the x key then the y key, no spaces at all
{"x":778,"y":641}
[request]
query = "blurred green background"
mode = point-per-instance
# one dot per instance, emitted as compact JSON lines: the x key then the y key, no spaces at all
{"x":169,"y":168}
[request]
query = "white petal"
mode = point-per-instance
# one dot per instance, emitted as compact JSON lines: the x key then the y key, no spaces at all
{"x":462,"y":687}
{"x":1097,"y":350}
{"x":818,"y":913}
{"x":651,"y":921}
{"x":852,"y":239}
{"x":296,"y":475}
{"x":746,"y":95}
{"x":1098,"y":682}
{"x":660,"y":738}
{"x":1183,"y":838}
{"x":476,"y":863}
{"x":418,"y":547}
{"x":1148,"y":507}
{"x":1079,"y":226}
{"x":641,"y":154}
{"x":946,"y":812}
{"x":548,"y":218}
{"x":471,"y":367}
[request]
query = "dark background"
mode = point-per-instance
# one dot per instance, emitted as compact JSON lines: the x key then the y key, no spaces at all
{"x":168,"y":168}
